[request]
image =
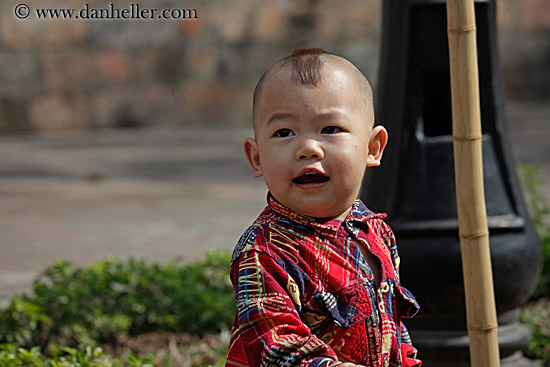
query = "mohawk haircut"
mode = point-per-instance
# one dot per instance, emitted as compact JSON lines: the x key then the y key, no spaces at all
{"x":307,"y":65}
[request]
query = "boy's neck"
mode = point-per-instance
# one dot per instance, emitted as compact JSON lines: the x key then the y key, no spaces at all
{"x":342,"y":216}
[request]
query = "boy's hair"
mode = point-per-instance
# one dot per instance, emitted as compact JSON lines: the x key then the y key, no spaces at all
{"x":307,"y":64}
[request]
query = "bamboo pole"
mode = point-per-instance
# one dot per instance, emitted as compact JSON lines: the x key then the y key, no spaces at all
{"x":472,"y":215}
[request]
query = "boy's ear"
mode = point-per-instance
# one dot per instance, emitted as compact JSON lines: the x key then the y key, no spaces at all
{"x":377,"y":143}
{"x":253,"y":156}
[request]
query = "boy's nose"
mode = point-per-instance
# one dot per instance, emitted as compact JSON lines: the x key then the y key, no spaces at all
{"x":309,"y":149}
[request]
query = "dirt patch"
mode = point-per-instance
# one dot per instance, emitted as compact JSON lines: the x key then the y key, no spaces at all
{"x":181,"y":349}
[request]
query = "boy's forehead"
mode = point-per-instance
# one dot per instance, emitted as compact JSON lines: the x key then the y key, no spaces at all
{"x":336,"y":73}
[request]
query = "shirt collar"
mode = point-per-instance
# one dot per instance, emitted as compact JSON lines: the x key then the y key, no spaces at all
{"x":328,"y":227}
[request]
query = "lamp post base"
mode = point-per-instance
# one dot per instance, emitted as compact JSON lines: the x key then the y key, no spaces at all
{"x":451,"y":348}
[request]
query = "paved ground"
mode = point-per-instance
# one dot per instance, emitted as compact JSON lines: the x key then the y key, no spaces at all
{"x":156,"y":194}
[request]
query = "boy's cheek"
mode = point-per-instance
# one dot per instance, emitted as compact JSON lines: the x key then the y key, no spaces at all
{"x":274,"y":178}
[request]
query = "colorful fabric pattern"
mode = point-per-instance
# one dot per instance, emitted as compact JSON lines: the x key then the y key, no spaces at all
{"x":307,"y":297}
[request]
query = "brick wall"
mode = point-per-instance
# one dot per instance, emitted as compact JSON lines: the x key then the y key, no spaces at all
{"x":524,"y":41}
{"x":89,"y":73}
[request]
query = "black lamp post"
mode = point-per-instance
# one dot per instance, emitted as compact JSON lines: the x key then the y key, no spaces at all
{"x":415,"y":183}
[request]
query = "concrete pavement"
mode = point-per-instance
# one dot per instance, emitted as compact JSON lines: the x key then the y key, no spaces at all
{"x":153,"y":193}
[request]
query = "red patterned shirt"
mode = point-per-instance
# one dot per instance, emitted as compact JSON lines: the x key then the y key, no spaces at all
{"x":307,"y":297}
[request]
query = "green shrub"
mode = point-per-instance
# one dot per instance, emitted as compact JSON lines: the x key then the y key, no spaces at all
{"x":96,"y":304}
{"x":12,"y":356}
{"x":537,"y":313}
{"x":539,"y":209}
{"x":537,"y":316}
{"x":23,"y":323}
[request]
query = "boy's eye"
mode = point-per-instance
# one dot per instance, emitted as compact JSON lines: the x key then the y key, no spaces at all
{"x":283,"y":133}
{"x":331,"y":130}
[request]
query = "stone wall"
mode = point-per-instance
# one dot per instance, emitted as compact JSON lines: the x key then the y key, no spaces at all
{"x":201,"y":68}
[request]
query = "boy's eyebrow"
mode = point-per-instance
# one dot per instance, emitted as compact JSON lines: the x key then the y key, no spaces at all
{"x":333,"y":113}
{"x":280,"y":116}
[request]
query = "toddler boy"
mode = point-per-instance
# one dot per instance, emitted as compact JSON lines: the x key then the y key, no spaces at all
{"x":316,"y":275}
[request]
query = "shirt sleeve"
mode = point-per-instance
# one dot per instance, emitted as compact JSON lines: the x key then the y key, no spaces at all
{"x":271,"y":330}
{"x":409,"y":304}
{"x":408,"y":352}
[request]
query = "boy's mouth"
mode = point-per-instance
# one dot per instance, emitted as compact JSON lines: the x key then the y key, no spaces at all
{"x":310,"y":177}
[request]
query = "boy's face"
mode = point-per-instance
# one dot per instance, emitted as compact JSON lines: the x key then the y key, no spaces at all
{"x":313,"y":142}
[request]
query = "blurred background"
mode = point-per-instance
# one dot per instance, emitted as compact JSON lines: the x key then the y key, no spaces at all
{"x":123,"y":136}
